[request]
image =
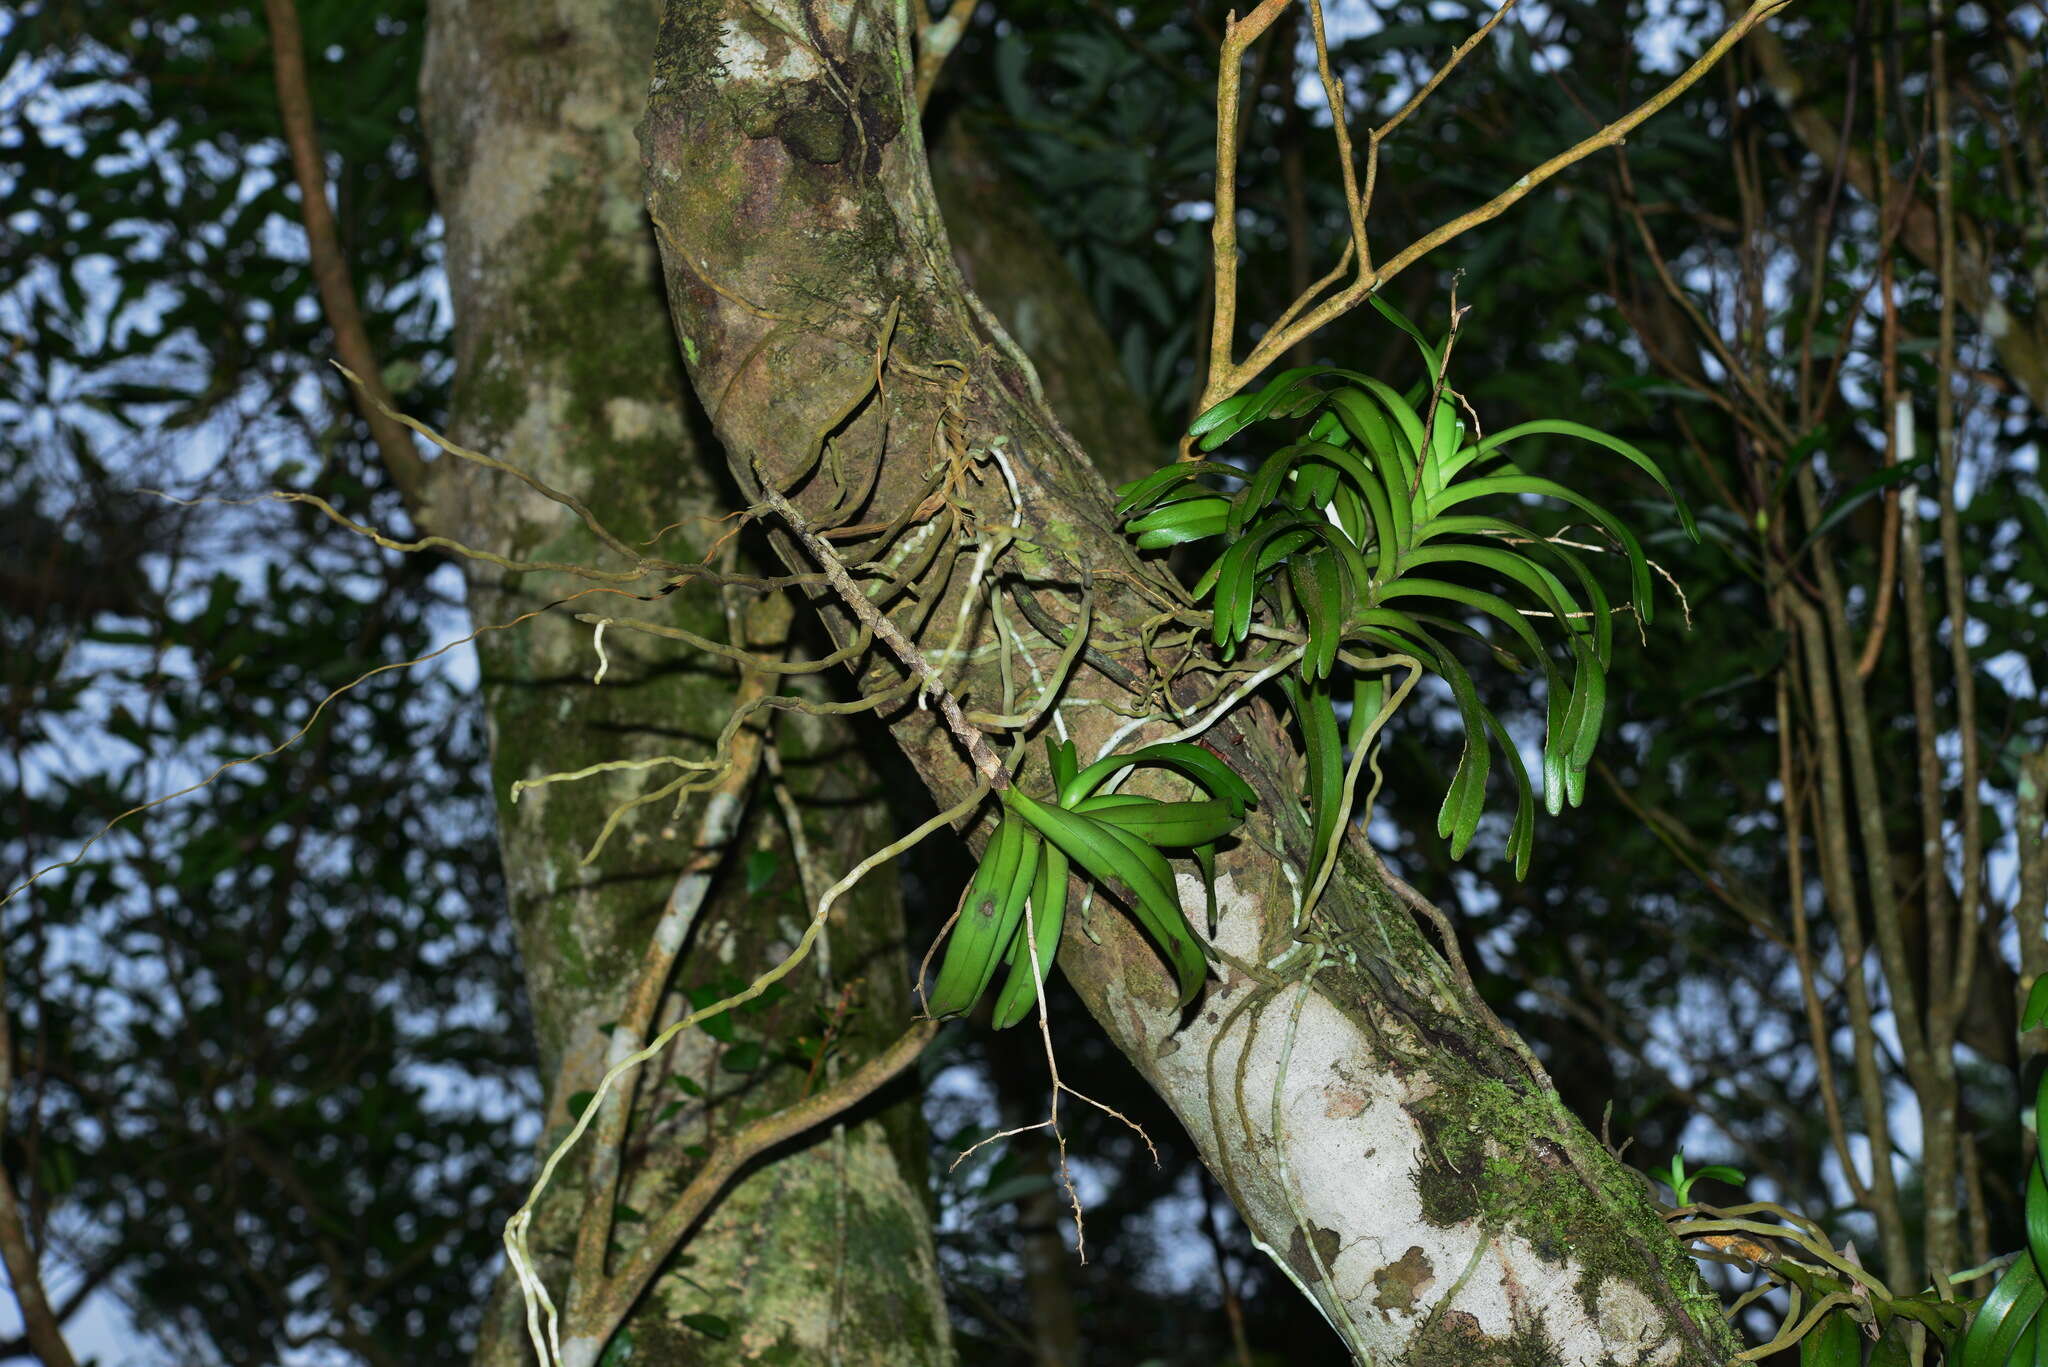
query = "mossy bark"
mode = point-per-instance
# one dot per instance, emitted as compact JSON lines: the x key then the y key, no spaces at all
{"x":1381,"y":1141}
{"x":568,"y":369}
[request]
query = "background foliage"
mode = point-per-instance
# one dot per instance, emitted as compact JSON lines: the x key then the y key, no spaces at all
{"x":272,"y":1079}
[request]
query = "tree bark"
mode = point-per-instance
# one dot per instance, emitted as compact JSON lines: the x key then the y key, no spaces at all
{"x":1383,"y":1144}
{"x":568,"y":369}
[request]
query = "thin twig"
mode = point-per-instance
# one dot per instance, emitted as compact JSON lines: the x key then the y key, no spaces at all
{"x":929,"y":681}
{"x":330,"y":266}
{"x":40,"y":1325}
{"x":1279,"y":340}
{"x":319,"y":710}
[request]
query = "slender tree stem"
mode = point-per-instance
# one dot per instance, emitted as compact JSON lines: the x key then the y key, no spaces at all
{"x":40,"y":1325}
{"x":330,"y":264}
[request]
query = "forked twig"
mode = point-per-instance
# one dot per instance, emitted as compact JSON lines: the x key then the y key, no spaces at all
{"x":928,"y":678}
{"x":1302,"y":320}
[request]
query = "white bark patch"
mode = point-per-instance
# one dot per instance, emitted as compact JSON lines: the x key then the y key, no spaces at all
{"x":631,"y":419}
{"x":1627,"y":1317}
{"x":1997,"y":322}
{"x":1335,"y":1172}
{"x":1237,"y":923}
{"x":747,"y":58}
{"x":509,"y":174}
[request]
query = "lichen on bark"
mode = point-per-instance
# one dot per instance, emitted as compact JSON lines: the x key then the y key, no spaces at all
{"x":1318,"y":1101}
{"x":567,"y":367}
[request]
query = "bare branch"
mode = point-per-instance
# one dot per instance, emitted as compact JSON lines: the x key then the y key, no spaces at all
{"x":936,"y":41}
{"x":1229,"y":379}
{"x":929,"y":681}
{"x":1238,"y":35}
{"x":330,"y":266}
{"x":40,"y":1324}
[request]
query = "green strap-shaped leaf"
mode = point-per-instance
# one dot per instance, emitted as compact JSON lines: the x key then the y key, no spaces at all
{"x":1522,"y":834}
{"x":2005,"y":1318}
{"x":1062,"y":761}
{"x":1465,"y":800}
{"x":989,"y":912}
{"x":1468,"y":524}
{"x":1367,"y":421}
{"x":1315,"y":713}
{"x":1262,"y":488}
{"x":1556,"y":600}
{"x":1589,"y":697}
{"x":2036,"y":1013}
{"x":1235,"y":578}
{"x":1837,"y":1341}
{"x":1445,"y":433}
{"x":1231,"y":416}
{"x":1483,"y":525}
{"x":1048,"y":912}
{"x":1110,"y":855}
{"x":1192,"y":760}
{"x":1205,"y":860}
{"x":1104,"y":802}
{"x":1479,"y":600}
{"x":1557,"y":724}
{"x":1228,"y":578}
{"x":1319,"y":586}
{"x":1367,"y":695}
{"x":1282,"y":547}
{"x":2036,"y":1207}
{"x":1241,"y":569}
{"x":1174,"y":825}
{"x":1523,"y":483}
{"x":1221,"y":421}
{"x":1407,"y":633}
{"x":1354,"y":516}
{"x":1558,"y":733}
{"x":1560,"y":427}
{"x":1350,"y":564}
{"x":1313,"y":486}
{"x":1179,"y":522}
{"x":1407,"y":426}
{"x":1400,"y":320}
{"x":1143,"y":493}
{"x":1379,"y":484}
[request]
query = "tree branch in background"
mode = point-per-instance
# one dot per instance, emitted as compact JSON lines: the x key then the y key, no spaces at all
{"x":42,"y":1327}
{"x":1302,"y":321}
{"x":2021,"y":343}
{"x":724,"y":808}
{"x":600,"y":1316}
{"x":330,"y":267}
{"x":936,"y":39}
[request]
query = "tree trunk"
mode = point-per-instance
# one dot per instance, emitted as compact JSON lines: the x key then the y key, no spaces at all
{"x":568,"y":369}
{"x":1383,"y":1143}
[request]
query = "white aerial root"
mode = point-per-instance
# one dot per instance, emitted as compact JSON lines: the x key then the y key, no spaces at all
{"x":1052,"y":1119}
{"x":543,"y":1324}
